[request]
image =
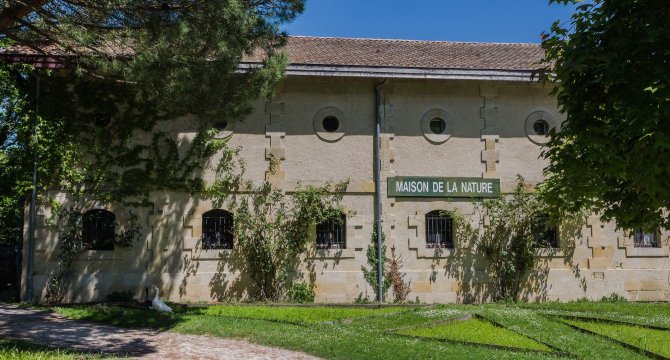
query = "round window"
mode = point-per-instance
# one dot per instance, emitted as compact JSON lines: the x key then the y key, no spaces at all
{"x":438,"y":126}
{"x":331,"y":123}
{"x":221,"y":125}
{"x":541,"y":127}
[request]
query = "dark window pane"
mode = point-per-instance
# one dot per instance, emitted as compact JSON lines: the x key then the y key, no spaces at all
{"x":541,"y":127}
{"x":331,"y":233}
{"x":439,"y":232}
{"x":544,"y":235}
{"x":217,"y":229}
{"x":98,"y":230}
{"x":438,"y":126}
{"x":331,"y":123}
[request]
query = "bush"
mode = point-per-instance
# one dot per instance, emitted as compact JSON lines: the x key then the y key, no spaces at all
{"x":120,"y":296}
{"x":301,"y":293}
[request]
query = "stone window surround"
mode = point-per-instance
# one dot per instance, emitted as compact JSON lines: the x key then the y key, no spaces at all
{"x":322,"y":133}
{"x":530,"y":131}
{"x":626,"y":241}
{"x":418,"y":242}
{"x":427,"y":117}
{"x":352,"y":226}
{"x":117,"y":253}
{"x":193,"y":227}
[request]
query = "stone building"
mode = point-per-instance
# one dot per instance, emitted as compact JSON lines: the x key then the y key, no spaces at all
{"x":456,"y":121}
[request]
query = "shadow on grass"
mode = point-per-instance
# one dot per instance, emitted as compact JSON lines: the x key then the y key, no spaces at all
{"x":21,"y":349}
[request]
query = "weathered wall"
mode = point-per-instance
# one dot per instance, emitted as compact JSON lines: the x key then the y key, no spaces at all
{"x":487,"y":136}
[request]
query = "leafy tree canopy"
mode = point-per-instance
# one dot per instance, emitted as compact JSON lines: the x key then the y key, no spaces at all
{"x":611,"y":67}
{"x":183,"y":54}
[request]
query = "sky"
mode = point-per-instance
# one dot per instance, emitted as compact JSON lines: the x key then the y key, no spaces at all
{"x":449,"y":20}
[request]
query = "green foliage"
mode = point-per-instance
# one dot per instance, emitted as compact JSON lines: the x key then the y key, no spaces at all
{"x":371,"y":274}
{"x":610,"y":156}
{"x":273,"y":228}
{"x":301,"y":293}
{"x":614,"y":297}
{"x":181,"y":55}
{"x":506,"y":236}
{"x":71,"y":246}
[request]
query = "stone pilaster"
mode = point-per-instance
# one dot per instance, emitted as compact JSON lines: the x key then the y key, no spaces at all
{"x":276,"y":132}
{"x":489,"y":134}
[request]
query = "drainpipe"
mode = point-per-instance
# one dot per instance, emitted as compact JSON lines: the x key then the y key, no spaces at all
{"x":33,"y":202}
{"x":378,"y":190}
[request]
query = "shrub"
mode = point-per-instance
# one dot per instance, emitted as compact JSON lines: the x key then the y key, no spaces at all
{"x":301,"y":293}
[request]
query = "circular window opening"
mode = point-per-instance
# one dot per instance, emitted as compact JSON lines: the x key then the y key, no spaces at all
{"x":221,"y":125}
{"x":438,"y":126}
{"x":541,"y":127}
{"x":331,"y":123}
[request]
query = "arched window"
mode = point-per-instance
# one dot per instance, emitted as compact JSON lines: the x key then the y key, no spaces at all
{"x":546,"y":235}
{"x":98,"y":230}
{"x":331,"y":233}
{"x":439,"y":230}
{"x":217,"y":229}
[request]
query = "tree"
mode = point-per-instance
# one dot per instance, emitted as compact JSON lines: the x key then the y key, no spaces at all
{"x":182,"y":54}
{"x":131,"y":63}
{"x":611,"y":70}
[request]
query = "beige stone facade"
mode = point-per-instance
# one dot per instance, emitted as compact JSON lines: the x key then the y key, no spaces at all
{"x":488,"y":136}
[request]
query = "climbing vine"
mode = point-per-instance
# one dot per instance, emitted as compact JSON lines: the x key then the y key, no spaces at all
{"x":274,"y":228}
{"x":71,"y":245}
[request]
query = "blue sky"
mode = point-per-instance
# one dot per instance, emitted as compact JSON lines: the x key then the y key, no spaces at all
{"x":452,"y":20}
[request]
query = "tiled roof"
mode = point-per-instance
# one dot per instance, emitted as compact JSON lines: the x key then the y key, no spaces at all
{"x":304,"y":50}
{"x":373,"y":53}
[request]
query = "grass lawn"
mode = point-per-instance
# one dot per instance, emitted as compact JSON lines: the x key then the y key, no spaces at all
{"x":23,"y":350}
{"x":477,"y":331}
{"x":369,"y":333}
{"x":653,"y":314}
{"x":297,"y":315}
{"x":656,"y":341}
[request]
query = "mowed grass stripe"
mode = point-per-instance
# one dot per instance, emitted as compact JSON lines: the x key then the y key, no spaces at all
{"x":477,"y":331}
{"x":296,"y":315}
{"x":557,"y":334}
{"x":652,"y":340}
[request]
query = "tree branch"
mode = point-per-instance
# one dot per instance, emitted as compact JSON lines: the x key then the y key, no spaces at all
{"x":12,"y":13}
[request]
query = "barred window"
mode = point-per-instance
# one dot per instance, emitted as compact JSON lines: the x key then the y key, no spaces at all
{"x":439,"y":233}
{"x":545,"y":235}
{"x":98,"y":230}
{"x":217,"y":229}
{"x":646,"y":239}
{"x":331,"y":233}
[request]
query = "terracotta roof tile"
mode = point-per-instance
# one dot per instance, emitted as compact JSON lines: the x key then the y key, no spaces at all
{"x":305,"y":50}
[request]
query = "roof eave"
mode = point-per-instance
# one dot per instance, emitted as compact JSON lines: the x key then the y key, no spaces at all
{"x":404,"y":72}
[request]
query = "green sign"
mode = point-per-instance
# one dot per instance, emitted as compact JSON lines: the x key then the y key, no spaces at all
{"x":414,"y":186}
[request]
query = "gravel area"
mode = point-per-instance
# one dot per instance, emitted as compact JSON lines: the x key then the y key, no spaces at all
{"x":54,"y":330}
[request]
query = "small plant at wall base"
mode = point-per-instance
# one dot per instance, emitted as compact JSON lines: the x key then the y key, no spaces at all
{"x":371,"y":274}
{"x":71,"y":245}
{"x":301,"y":293}
{"x":400,"y":288}
{"x":273,"y":229}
